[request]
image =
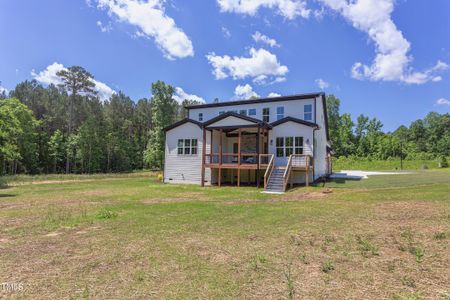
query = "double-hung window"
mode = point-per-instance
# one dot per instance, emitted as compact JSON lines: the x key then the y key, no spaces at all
{"x":280,"y":112}
{"x":200,"y":117}
{"x":243,"y":112}
{"x":286,"y":146}
{"x":280,"y":146}
{"x":266,"y":114}
{"x":252,"y":112}
{"x":187,"y":147}
{"x":307,"y":112}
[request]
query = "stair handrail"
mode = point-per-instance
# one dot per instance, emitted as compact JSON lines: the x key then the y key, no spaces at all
{"x":287,"y":173}
{"x":268,"y":171}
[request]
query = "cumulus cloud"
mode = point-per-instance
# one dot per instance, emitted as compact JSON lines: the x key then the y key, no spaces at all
{"x":273,"y":95}
{"x":443,"y":101}
{"x":152,"y":21}
{"x":322,"y":84}
{"x":104,"y":28}
{"x":180,"y":95}
{"x":261,"y":66}
{"x":3,"y":90}
{"x":48,"y":76}
{"x":261,"y":38}
{"x":392,"y":60}
{"x":289,"y":9}
{"x":245,"y":92}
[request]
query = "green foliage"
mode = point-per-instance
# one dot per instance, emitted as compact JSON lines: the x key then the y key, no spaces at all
{"x":422,"y":140}
{"x":105,"y":214}
{"x":327,"y":266}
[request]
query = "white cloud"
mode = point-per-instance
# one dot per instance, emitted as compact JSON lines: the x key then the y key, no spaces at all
{"x":261,"y":65}
{"x":273,"y":95}
{"x":180,"y":95}
{"x":151,"y":19}
{"x":289,"y":9}
{"x":261,"y":38}
{"x":48,"y":76}
{"x":104,"y":28}
{"x":392,"y":61}
{"x":322,"y":84}
{"x":443,"y":101}
{"x":3,"y":90}
{"x":245,"y":92}
{"x":226,"y":32}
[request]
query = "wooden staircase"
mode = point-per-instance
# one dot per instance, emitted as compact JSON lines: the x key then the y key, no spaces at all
{"x":275,"y":183}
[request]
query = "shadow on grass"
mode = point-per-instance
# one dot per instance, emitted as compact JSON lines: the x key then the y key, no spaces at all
{"x":7,"y":195}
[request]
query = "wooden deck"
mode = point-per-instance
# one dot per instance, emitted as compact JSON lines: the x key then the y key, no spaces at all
{"x":236,"y":166}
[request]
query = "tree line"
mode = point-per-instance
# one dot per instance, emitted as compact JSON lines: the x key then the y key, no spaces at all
{"x":427,"y":138}
{"x":66,"y":128}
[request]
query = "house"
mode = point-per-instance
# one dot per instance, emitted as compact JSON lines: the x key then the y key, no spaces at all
{"x":275,"y":142}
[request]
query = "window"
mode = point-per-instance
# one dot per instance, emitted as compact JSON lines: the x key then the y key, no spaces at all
{"x":298,"y":145}
{"x":221,"y":112}
{"x":286,"y":146}
{"x":266,"y":114}
{"x":280,"y":112}
{"x":280,"y":146}
{"x":200,"y":117}
{"x":243,"y":112}
{"x":289,"y":146}
{"x":252,"y":112}
{"x":307,"y":110}
{"x":187,"y":147}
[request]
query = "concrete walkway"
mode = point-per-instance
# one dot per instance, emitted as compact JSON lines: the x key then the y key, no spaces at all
{"x":356,"y":174}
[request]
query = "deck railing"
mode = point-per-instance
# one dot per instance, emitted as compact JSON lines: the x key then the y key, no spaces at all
{"x":269,"y":169}
{"x":233,"y":158}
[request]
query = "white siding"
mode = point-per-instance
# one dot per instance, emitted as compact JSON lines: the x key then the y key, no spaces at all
{"x":292,"y":108}
{"x":231,"y":121}
{"x":320,"y":160}
{"x":290,"y":129}
{"x":184,"y":168}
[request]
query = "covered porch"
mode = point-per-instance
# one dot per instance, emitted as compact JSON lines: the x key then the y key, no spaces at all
{"x":237,"y":153}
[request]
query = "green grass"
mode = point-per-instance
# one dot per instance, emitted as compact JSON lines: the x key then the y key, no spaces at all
{"x":344,"y":163}
{"x":129,"y":236}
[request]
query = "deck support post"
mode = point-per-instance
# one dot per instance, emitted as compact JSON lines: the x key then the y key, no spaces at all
{"x":203,"y":157}
{"x":258,"y":136}
{"x":220,"y":157}
{"x":307,"y":171}
{"x":239,"y":158}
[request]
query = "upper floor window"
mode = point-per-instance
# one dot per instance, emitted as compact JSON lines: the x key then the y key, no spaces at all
{"x":221,"y":112}
{"x":266,"y":114}
{"x":243,"y":112}
{"x":200,"y":117}
{"x":252,"y":112}
{"x":280,"y":112}
{"x":187,"y":147}
{"x":307,"y":112}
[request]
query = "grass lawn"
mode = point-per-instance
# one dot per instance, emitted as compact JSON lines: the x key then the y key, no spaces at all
{"x":128,"y":236}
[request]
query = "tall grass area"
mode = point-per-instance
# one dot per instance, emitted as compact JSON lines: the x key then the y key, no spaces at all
{"x":353,"y":163}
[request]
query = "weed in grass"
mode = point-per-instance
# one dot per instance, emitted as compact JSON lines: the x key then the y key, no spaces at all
{"x":408,"y":281}
{"x":85,"y":294}
{"x":391,"y":266}
{"x":303,"y":259}
{"x":327,"y":266}
{"x":413,"y":296}
{"x":440,"y":235}
{"x":366,"y":248}
{"x":419,"y":252}
{"x":105,"y":214}
{"x":258,"y":261}
{"x":289,"y":280}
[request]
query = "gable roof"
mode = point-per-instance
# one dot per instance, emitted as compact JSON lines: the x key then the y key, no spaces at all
{"x":259,"y":100}
{"x":179,"y":123}
{"x":295,"y":120}
{"x":236,"y":115}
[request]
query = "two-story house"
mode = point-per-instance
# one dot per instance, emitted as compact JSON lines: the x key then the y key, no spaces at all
{"x":276,"y":141}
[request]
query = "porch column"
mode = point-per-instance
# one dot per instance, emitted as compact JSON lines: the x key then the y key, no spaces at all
{"x":239,"y":158}
{"x":257,"y":157}
{"x":220,"y":157}
{"x":203,"y":157}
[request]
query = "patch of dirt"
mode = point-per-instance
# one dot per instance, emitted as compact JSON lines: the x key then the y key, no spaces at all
{"x":51,"y":234}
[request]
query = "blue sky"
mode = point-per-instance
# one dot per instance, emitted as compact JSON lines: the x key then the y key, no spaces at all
{"x":383,"y":58}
